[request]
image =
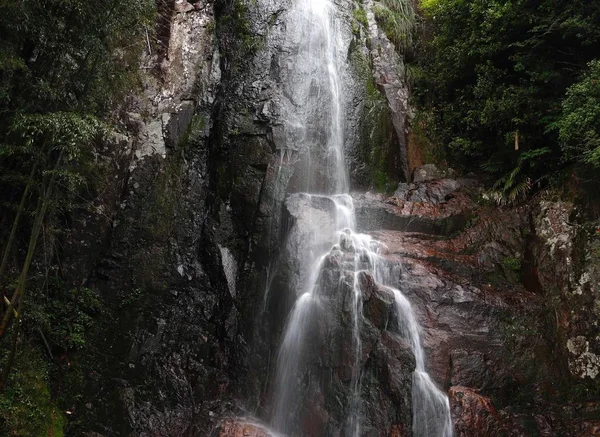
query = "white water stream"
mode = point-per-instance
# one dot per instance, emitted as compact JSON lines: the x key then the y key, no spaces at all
{"x":316,"y":84}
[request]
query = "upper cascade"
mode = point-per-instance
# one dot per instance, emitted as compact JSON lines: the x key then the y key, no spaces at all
{"x":314,"y":113}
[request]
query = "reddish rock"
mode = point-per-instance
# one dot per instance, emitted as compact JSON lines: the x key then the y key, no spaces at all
{"x":398,"y":431}
{"x":590,"y":429}
{"x":238,"y":428}
{"x":474,"y":414}
{"x":378,"y":302}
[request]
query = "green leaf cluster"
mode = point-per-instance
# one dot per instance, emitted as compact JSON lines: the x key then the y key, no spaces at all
{"x":69,"y":54}
{"x":579,"y":122}
{"x":398,"y":20}
{"x":493,"y":75}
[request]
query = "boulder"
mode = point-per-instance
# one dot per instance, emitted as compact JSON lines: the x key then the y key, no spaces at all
{"x":435,"y":192}
{"x":474,"y":414}
{"x":427,"y":172}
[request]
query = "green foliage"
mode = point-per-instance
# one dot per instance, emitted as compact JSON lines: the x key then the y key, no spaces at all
{"x":515,"y":185}
{"x":70,"y":54}
{"x":512,"y":264}
{"x":398,"y":20}
{"x":26,"y":407}
{"x":59,"y":324}
{"x":236,"y":16}
{"x":64,"y":315}
{"x":492,"y":75}
{"x":579,"y":122}
{"x":65,"y":65}
{"x":62,"y":66}
{"x":376,"y":126}
{"x":360,"y":15}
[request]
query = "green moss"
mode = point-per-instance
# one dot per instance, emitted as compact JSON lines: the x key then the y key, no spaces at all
{"x":210,"y":26}
{"x":513,"y":264}
{"x":397,"y":18}
{"x":195,"y":131}
{"x":430,"y":149}
{"x":26,"y":406}
{"x":160,"y":220}
{"x":236,"y":19}
{"x":376,"y":126}
{"x":382,"y":182}
{"x":360,"y":15}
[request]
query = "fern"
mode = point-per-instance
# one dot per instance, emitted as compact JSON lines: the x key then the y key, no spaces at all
{"x":514,"y":187}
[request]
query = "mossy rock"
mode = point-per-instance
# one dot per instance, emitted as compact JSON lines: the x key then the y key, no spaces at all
{"x":26,"y":405}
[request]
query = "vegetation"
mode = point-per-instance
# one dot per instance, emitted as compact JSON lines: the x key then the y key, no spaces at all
{"x":376,"y":129}
{"x":26,"y":407}
{"x":235,"y":17}
{"x":360,"y":15}
{"x":66,"y":67}
{"x":579,"y":123}
{"x":398,"y":19}
{"x":511,"y":88}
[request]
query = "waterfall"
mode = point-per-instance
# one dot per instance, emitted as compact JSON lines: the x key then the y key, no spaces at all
{"x":315,"y":126}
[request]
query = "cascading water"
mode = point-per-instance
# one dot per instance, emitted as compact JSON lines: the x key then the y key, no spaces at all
{"x":431,"y":409}
{"x":315,"y":84}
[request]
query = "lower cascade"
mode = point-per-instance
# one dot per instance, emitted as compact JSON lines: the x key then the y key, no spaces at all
{"x":358,"y":259}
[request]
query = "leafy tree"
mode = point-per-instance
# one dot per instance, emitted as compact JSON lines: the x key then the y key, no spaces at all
{"x":58,"y":142}
{"x":492,"y":77}
{"x":66,"y":68}
{"x":579,"y":122}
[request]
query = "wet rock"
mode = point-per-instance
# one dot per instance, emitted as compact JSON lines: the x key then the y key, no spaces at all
{"x":427,"y":172}
{"x":399,"y":431}
{"x":387,"y":65}
{"x":589,"y":429}
{"x":434,"y":192}
{"x":183,"y":6}
{"x":582,"y":361}
{"x":398,"y":364}
{"x":173,"y":355}
{"x":471,"y":366}
{"x":386,"y":391}
{"x":473,"y":414}
{"x":378,"y":305}
{"x":239,"y":428}
{"x":375,"y":212}
{"x":346,"y":243}
{"x":556,"y":251}
{"x":565,"y":268}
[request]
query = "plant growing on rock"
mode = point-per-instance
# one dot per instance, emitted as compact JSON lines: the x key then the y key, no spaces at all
{"x":398,"y":19}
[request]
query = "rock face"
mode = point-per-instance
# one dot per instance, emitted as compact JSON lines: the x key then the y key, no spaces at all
{"x":189,"y":250}
{"x":436,"y":208}
{"x":499,"y":302}
{"x":566,"y":267}
{"x":387,"y":68}
{"x":187,"y":234}
{"x":474,"y":413}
